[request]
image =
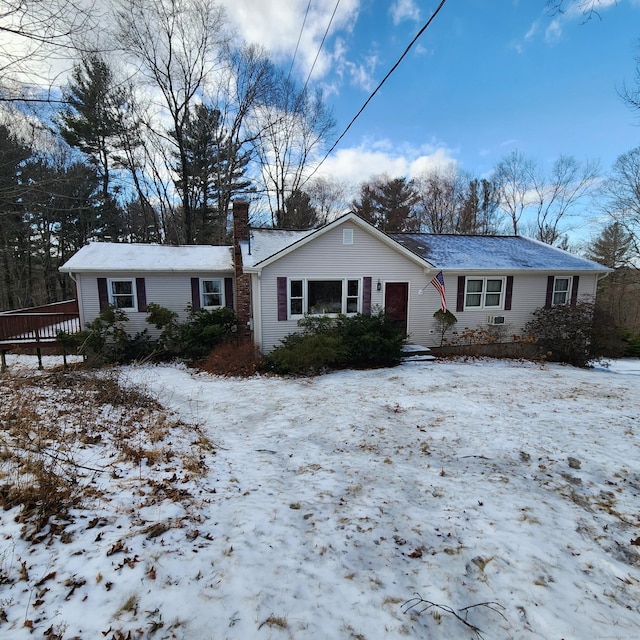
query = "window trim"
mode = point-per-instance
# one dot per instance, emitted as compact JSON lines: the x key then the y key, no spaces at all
{"x":305,"y":297}
{"x":112,"y":297}
{"x":203,"y":293}
{"x":483,"y":293}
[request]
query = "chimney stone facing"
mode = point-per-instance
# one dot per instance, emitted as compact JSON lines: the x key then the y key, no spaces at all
{"x":242,"y":280}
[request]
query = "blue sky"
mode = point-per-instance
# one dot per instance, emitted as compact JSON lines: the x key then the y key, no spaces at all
{"x":486,"y":78}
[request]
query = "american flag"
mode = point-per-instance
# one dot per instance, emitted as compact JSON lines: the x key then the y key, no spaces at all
{"x":438,"y":282}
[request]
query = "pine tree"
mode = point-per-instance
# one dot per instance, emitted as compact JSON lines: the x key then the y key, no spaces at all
{"x":92,"y":123}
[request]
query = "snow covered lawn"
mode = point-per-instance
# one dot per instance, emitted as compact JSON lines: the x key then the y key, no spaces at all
{"x":320,"y":507}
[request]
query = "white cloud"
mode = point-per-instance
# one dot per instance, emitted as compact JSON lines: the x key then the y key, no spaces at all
{"x":553,"y":32}
{"x":373,"y":158}
{"x":404,"y":10}
{"x":278,"y":25}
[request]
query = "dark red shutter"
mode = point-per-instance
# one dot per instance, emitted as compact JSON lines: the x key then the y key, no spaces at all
{"x":228,"y":293}
{"x":460,"y":296}
{"x":549,"y":299}
{"x":508,"y":294}
{"x":141,"y":294}
{"x":282,"y":299}
{"x":574,"y":290}
{"x":103,"y":294}
{"x":366,"y":296}
{"x":195,"y":293}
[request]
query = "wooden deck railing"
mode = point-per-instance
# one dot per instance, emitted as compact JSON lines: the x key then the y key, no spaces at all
{"x":37,"y":327}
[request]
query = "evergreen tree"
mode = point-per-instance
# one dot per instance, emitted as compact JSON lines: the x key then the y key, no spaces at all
{"x":214,"y":172}
{"x":15,"y":254}
{"x":299,"y":212}
{"x":612,"y":247}
{"x":92,"y":123}
{"x":389,"y":204}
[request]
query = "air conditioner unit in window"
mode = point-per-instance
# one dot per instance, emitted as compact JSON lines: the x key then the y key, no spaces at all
{"x":495,"y":319}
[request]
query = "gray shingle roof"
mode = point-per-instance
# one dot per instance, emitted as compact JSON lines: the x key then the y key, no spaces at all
{"x":456,"y":252}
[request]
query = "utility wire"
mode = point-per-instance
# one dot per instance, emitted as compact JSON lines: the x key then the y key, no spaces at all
{"x":326,"y":33}
{"x":368,"y":100}
{"x":306,"y":13}
{"x":46,"y":100}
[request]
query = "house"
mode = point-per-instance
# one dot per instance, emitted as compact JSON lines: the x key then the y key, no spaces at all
{"x":272,"y":278}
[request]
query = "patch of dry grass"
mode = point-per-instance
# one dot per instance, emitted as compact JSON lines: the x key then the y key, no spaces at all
{"x":60,"y":430}
{"x":231,"y":359}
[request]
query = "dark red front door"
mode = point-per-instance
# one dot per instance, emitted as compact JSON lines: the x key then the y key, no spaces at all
{"x":396,"y":302}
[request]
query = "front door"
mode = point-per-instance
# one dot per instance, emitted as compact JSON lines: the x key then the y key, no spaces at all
{"x":396,"y":302}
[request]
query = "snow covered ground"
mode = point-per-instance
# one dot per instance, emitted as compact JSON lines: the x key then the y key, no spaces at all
{"x":329,"y":503}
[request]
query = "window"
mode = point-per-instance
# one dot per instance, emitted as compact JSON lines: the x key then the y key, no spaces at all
{"x":561,"y":291}
{"x":324,"y":297}
{"x":484,"y":293}
{"x":212,"y":293}
{"x":122,"y":294}
{"x":297,"y":298}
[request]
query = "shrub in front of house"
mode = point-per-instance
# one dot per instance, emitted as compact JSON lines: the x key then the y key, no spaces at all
{"x":323,"y":343}
{"x":574,"y":334}
{"x":105,"y":340}
{"x":195,"y":338}
{"x":374,"y":340}
{"x":205,"y":330}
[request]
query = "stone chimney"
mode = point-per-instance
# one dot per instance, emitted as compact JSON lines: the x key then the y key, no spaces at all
{"x":242,"y":281}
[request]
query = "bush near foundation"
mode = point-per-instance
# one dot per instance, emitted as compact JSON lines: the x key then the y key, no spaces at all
{"x":105,"y":339}
{"x":575,"y":334}
{"x":359,"y":341}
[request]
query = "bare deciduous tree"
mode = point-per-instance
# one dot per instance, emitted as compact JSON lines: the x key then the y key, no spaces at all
{"x":515,"y":178}
{"x":621,"y":192}
{"x":35,"y":36}
{"x":568,"y":184}
{"x":294,"y":125}
{"x":439,"y":195}
{"x":177,"y":45}
{"x":329,"y":197}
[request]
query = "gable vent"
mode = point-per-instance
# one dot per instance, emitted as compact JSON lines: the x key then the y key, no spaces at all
{"x":347,"y":236}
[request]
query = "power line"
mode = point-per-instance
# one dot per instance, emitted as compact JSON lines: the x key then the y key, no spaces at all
{"x":306,"y":13}
{"x":324,"y":37}
{"x":45,"y":100}
{"x":368,"y":100}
